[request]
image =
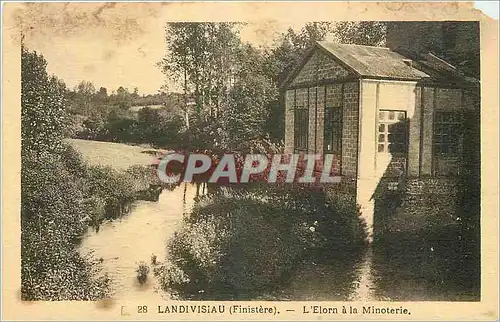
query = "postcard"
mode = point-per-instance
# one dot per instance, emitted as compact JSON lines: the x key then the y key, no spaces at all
{"x":249,"y":161}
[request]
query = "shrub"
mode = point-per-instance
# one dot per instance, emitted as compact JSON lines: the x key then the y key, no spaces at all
{"x":173,"y":276}
{"x":235,"y":245}
{"x":117,"y":188}
{"x":142,"y":272}
{"x":55,"y":206}
{"x":53,"y":217}
{"x":246,"y":241}
{"x":93,"y":128}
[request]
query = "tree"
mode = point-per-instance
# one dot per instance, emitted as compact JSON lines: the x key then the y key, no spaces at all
{"x":84,"y":98}
{"x":243,"y":121}
{"x":290,"y":46}
{"x":51,"y":221}
{"x":201,"y":56}
{"x":102,"y":95}
{"x":123,"y":98}
{"x":43,"y":109}
{"x":368,"y":33}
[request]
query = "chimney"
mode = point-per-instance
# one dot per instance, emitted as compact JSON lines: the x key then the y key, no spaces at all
{"x":408,"y":62}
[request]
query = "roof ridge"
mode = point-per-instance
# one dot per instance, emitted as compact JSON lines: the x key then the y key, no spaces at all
{"x":342,"y":44}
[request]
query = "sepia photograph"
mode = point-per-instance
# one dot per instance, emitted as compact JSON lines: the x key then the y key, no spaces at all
{"x":179,"y":164}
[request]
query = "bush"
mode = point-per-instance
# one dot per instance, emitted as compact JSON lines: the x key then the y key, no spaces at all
{"x":117,"y":189}
{"x":56,"y":206}
{"x":54,"y":215}
{"x":142,"y":272}
{"x":246,"y":241}
{"x":235,"y":245}
{"x":93,"y":129}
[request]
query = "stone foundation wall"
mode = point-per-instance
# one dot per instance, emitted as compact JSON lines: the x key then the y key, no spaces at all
{"x":413,"y":205}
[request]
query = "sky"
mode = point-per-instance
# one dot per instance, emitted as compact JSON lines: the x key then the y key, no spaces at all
{"x":118,"y":48}
{"x":111,"y":45}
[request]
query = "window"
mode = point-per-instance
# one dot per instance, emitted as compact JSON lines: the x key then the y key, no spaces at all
{"x":447,"y":130}
{"x":301,"y":125}
{"x":333,"y":130}
{"x":392,"y":130}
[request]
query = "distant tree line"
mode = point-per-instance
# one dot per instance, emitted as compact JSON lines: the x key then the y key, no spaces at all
{"x":122,"y":116}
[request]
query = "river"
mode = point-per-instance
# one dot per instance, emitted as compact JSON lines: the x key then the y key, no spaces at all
{"x":134,"y":238}
{"x":406,"y":273}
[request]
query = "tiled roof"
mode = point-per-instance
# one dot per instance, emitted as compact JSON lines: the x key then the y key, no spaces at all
{"x":369,"y":61}
{"x":383,"y":63}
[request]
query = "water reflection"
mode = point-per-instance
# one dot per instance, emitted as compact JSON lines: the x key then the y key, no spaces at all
{"x":438,"y":270}
{"x":123,"y":243}
{"x":338,"y":277}
{"x":421,"y":268}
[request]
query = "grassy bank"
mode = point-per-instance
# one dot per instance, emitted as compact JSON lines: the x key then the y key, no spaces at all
{"x":65,"y":193}
{"x":116,"y":155}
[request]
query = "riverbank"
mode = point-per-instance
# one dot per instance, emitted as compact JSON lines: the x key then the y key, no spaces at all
{"x":437,"y":267}
{"x":123,"y":243}
{"x":119,"y":156}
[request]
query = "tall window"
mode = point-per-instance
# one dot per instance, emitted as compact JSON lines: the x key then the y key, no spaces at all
{"x":392,"y":132}
{"x":447,"y":129}
{"x":301,"y":126}
{"x":333,"y":130}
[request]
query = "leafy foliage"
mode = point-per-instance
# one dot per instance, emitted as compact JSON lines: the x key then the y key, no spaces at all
{"x":290,"y":47}
{"x":43,"y":106}
{"x":61,"y":195}
{"x":226,"y":80}
{"x":52,"y":222}
{"x":243,"y":241}
{"x":244,"y":118}
{"x":142,"y":272}
{"x":202,"y":56}
{"x":368,"y":33}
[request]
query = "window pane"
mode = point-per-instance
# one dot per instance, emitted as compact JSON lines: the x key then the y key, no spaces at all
{"x":300,"y":128}
{"x":447,"y":132}
{"x":328,"y":113}
{"x":393,"y":131}
{"x":328,"y":144}
{"x":381,"y":115}
{"x":333,"y":129}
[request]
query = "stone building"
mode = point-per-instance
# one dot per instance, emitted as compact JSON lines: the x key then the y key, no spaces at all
{"x":388,"y":119}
